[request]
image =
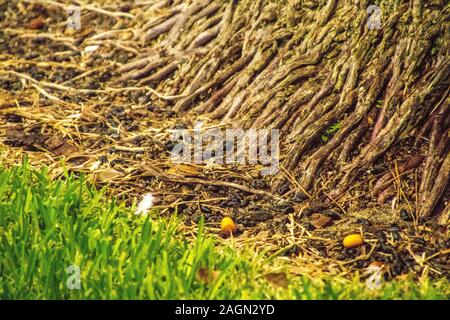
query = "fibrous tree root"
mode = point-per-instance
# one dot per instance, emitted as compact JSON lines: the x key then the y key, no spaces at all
{"x":341,"y":93}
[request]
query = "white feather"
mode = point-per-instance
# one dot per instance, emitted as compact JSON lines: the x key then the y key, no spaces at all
{"x":145,"y":204}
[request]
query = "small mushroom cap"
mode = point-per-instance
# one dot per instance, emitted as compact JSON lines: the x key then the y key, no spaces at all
{"x":353,"y":240}
{"x":227,"y":225}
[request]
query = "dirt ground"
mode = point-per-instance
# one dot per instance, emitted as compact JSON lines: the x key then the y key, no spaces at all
{"x":61,"y":106}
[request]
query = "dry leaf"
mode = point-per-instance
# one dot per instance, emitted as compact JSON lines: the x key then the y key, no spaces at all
{"x":54,"y":142}
{"x":15,"y":134}
{"x":320,"y":221}
{"x":278,"y":279}
{"x":183,"y":170}
{"x":19,"y":137}
{"x":65,"y":149}
{"x":104,"y":175}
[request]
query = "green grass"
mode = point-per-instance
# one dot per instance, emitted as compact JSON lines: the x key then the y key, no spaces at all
{"x":47,"y":226}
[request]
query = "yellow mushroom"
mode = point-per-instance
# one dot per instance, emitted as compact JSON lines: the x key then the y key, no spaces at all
{"x":227,"y":225}
{"x":353,"y":240}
